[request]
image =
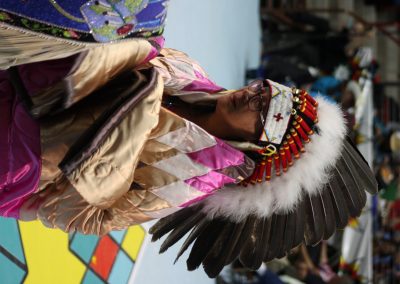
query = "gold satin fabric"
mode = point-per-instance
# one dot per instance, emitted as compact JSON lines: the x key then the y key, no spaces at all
{"x":111,"y":167}
{"x":59,"y":132}
{"x":19,"y":46}
{"x":97,"y":197}
{"x":98,"y":66}
{"x":60,"y":205}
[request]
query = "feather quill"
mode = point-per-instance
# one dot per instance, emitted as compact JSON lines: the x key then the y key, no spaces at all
{"x":352,"y":169}
{"x":300,"y":224}
{"x":339,"y":205}
{"x":290,"y":232}
{"x":338,"y":184}
{"x":314,"y":226}
{"x":329,"y":214}
{"x":364,"y":170}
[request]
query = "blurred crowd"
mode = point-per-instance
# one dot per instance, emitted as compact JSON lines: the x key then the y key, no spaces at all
{"x":305,"y":264}
{"x":303,"y":49}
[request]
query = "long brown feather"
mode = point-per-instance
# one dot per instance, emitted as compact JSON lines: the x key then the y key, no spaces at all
{"x":280,"y":250}
{"x":194,"y":234}
{"x":289,"y":232}
{"x":203,"y":244}
{"x":329,"y":213}
{"x":300,"y":224}
{"x":357,"y":177}
{"x":181,"y":230}
{"x":275,"y":238}
{"x":226,"y":253}
{"x":213,"y":263}
{"x":350,"y":186}
{"x":338,"y":185}
{"x":235,"y":251}
{"x":168,"y":223}
{"x":366,"y":174}
{"x":266,"y":236}
{"x":314,"y":227}
{"x":248,"y":255}
{"x":339,"y":205}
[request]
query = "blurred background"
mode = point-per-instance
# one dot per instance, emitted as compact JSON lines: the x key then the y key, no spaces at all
{"x":346,"y":50}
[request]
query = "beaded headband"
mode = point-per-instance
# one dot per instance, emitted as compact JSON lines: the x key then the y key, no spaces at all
{"x":292,"y":115}
{"x":86,"y":20}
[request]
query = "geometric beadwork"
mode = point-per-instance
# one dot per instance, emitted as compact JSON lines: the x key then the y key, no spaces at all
{"x":13,"y":268}
{"x":110,"y":258}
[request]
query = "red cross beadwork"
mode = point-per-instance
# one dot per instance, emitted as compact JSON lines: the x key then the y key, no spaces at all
{"x":278,"y":117}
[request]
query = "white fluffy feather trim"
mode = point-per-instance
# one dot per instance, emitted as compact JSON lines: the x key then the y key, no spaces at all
{"x":307,"y":175}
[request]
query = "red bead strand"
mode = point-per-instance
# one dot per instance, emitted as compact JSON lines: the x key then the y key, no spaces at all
{"x":282,"y":155}
{"x":287,"y":152}
{"x":268,"y":168}
{"x":277,"y":165}
{"x":296,"y":139}
{"x":261,"y":171}
{"x":292,"y":146}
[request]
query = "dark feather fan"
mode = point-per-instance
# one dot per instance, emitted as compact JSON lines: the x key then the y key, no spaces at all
{"x":219,"y":241}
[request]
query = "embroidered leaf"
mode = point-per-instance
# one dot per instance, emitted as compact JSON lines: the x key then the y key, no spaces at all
{"x":100,"y":9}
{"x":106,"y":30}
{"x":4,"y":17}
{"x":133,"y":5}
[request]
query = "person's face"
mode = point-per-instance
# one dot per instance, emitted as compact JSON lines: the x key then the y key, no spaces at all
{"x":239,"y":113}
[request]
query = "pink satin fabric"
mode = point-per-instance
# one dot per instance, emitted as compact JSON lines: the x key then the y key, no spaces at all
{"x":209,"y":182}
{"x":20,"y":162}
{"x":154,"y":51}
{"x":202,"y":84}
{"x":218,"y":157}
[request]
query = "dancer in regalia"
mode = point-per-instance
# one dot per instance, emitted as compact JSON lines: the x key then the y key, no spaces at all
{"x":103,"y":128}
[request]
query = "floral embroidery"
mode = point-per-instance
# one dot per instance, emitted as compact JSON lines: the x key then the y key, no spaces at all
{"x":60,"y":32}
{"x":113,"y":19}
{"x":5,"y":17}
